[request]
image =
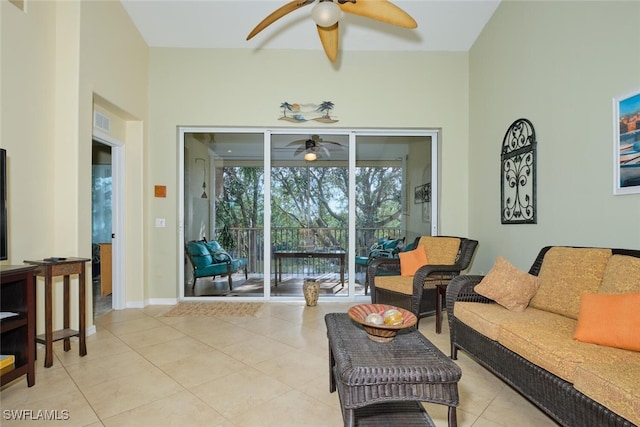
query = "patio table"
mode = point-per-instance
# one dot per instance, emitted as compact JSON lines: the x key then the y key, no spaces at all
{"x":340,"y":255}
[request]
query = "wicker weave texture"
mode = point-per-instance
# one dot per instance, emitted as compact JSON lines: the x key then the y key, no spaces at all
{"x":408,"y":368}
{"x":400,"y":414}
{"x":556,"y":397}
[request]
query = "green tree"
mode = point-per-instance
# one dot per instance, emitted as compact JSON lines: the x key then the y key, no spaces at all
{"x":314,"y":198}
{"x":378,"y":200}
{"x":241,"y":203}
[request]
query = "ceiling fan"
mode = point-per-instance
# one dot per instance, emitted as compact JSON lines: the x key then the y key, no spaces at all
{"x":327,"y":13}
{"x":315,"y":148}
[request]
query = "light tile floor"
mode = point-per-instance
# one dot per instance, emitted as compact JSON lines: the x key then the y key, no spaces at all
{"x":143,"y":369}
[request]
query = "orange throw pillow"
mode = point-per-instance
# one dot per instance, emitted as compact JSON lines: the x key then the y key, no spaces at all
{"x":612,"y":320}
{"x":411,"y":261}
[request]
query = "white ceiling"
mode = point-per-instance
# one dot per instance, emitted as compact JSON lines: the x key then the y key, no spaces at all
{"x":444,"y":25}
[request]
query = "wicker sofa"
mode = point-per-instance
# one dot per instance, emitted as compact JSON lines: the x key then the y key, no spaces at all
{"x":576,"y":383}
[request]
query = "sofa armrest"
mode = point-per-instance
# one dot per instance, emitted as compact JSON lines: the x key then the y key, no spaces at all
{"x":461,"y":289}
{"x":446,"y":270}
{"x":388,"y":265}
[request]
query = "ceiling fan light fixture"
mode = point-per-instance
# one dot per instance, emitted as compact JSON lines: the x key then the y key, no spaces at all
{"x":310,"y":156}
{"x":326,"y":13}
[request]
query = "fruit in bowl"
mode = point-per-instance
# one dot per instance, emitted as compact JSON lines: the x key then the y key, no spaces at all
{"x":374,"y":318}
{"x":392,"y":317}
{"x":381,"y":321}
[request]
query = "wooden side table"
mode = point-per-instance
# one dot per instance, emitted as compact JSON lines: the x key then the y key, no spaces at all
{"x":441,"y":294}
{"x":50,"y":268}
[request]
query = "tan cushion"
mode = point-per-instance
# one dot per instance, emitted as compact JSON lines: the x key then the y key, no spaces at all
{"x":614,"y":385}
{"x":621,"y":275}
{"x":547,"y":341}
{"x":566,"y":273}
{"x":507,"y":285}
{"x":402,"y":284}
{"x":411,"y":261}
{"x":610,"y":319}
{"x":440,"y":250}
{"x":487,"y":318}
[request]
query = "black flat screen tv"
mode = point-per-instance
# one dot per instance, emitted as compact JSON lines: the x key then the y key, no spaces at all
{"x":4,"y":240}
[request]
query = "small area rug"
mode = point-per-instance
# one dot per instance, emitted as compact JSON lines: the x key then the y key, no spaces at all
{"x":215,"y":309}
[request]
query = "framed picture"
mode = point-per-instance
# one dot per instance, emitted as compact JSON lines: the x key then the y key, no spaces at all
{"x":422,"y":193}
{"x":626,"y":145}
{"x":418,"y":194}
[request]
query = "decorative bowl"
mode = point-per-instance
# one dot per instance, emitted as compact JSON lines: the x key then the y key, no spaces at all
{"x":380,"y":333}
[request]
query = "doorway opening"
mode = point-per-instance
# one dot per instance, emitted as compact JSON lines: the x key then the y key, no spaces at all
{"x":101,"y":227}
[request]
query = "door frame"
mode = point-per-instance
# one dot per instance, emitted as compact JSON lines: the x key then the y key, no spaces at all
{"x":118,"y":218}
{"x":433,"y":133}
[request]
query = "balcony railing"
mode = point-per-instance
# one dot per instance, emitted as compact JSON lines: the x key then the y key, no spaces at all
{"x":250,"y":243}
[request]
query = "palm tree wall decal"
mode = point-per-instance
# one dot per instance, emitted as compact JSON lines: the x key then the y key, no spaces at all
{"x":285,"y":106}
{"x":326,"y":106}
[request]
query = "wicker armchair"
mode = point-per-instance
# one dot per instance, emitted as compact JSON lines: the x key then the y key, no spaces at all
{"x":423,"y":293}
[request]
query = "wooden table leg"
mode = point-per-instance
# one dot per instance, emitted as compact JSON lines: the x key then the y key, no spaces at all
{"x":82,"y":307}
{"x":342,"y":260}
{"x":441,"y":291}
{"x":30,"y":294}
{"x":65,"y":310}
{"x":48,"y":320}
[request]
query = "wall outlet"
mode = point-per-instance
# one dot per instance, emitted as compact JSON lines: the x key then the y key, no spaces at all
{"x":160,"y":222}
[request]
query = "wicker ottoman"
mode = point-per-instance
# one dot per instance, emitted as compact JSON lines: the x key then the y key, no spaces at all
{"x":382,"y":383}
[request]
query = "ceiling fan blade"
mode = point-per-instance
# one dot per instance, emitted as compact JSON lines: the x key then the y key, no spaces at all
{"x":324,"y":151}
{"x":336,"y":145}
{"x":298,"y":142}
{"x":329,"y":39}
{"x":300,"y":150}
{"x":380,"y":10}
{"x":277,"y":14}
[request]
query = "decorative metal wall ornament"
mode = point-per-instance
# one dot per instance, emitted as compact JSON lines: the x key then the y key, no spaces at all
{"x":300,"y":113}
{"x":518,"y":174}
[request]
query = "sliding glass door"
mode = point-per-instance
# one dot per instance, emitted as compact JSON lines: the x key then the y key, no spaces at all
{"x":291,"y":206}
{"x":224,"y":203}
{"x":309,"y":213}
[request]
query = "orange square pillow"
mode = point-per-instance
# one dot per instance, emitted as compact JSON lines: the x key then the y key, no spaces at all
{"x":411,"y":261}
{"x":612,"y":320}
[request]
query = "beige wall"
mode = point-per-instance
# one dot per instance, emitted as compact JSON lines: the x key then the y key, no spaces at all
{"x":559,"y":64}
{"x":195,"y":87}
{"x":560,"y":68}
{"x":418,"y":173}
{"x":55,"y":58}
{"x":114,"y":76}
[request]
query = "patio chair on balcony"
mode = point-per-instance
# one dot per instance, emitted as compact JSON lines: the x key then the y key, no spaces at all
{"x":209,"y":259}
{"x":384,"y":248}
{"x":421,"y":285}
